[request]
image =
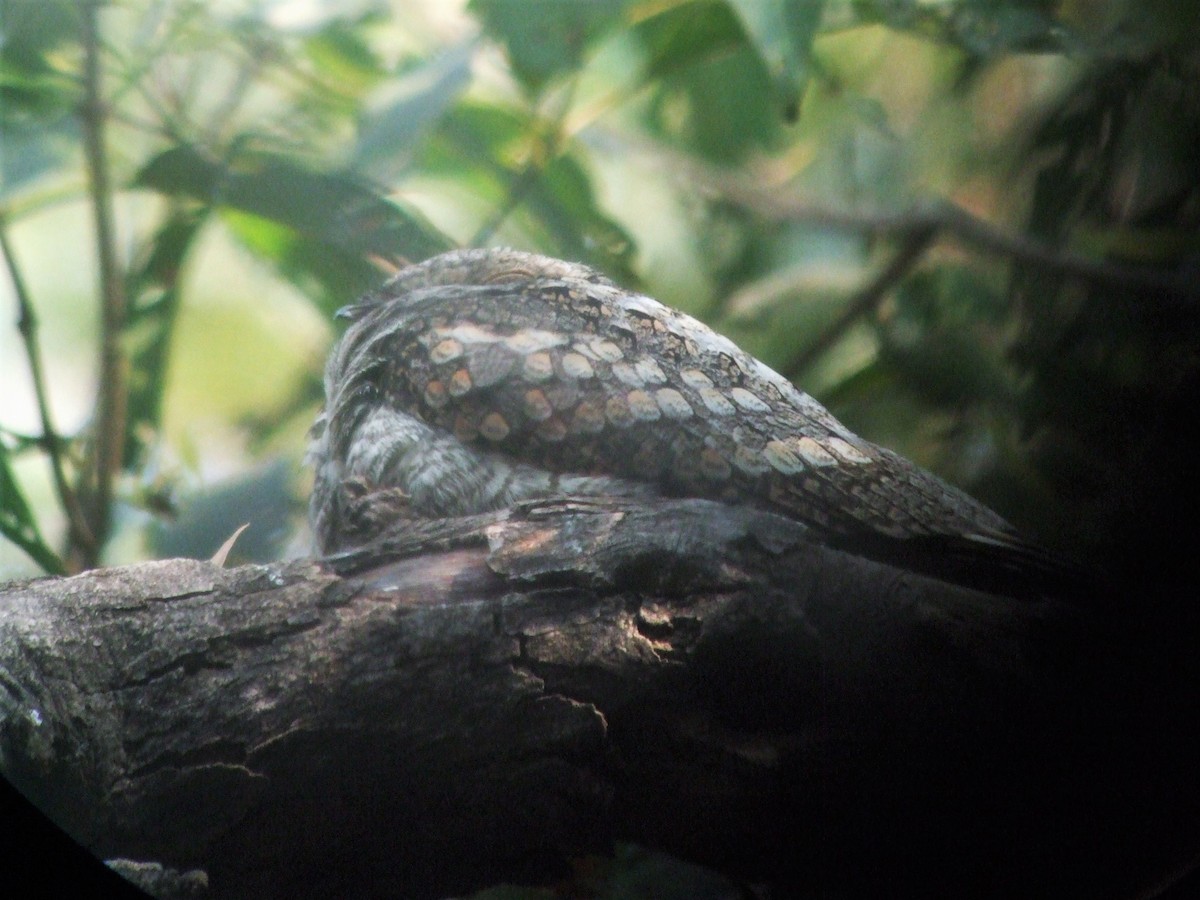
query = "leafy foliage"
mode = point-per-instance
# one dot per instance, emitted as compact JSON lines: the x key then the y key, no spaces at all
{"x":313,"y":225}
{"x":798,"y":171}
{"x":545,"y":38}
{"x":17,"y":521}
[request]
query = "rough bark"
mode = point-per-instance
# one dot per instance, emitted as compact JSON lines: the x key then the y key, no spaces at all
{"x":480,"y":699}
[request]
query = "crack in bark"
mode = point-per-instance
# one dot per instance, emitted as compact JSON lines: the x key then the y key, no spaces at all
{"x":217,"y":752}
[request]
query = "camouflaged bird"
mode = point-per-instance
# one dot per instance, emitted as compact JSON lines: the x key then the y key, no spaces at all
{"x":480,"y":378}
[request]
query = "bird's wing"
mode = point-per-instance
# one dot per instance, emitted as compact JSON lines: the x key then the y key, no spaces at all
{"x":585,"y":378}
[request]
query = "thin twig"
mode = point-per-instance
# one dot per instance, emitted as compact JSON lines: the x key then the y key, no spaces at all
{"x":51,"y":440}
{"x":973,"y":230}
{"x":521,"y":184}
{"x":944,"y":216}
{"x":867,"y":299}
{"x":546,"y":147}
{"x":109,"y":427}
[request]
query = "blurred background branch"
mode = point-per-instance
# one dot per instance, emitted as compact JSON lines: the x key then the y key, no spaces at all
{"x":934,"y":218}
{"x":867,"y":301}
{"x":108,"y":428}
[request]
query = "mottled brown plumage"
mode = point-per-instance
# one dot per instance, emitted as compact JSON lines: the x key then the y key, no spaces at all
{"x":480,"y":378}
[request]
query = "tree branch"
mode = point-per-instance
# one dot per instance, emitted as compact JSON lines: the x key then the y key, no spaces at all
{"x":939,"y":216}
{"x":479,"y":699}
{"x":866,"y":301}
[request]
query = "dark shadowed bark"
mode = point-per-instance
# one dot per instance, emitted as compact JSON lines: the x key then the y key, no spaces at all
{"x":484,"y":698}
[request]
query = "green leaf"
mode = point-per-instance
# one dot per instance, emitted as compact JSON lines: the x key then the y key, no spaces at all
{"x":988,"y":31}
{"x":27,"y":96}
{"x":342,"y":56}
{"x":153,"y":291}
{"x":38,"y":125}
{"x":546,"y":38}
{"x":317,"y":269}
{"x":859,"y":161}
{"x":476,"y":150}
{"x":562,"y":200}
{"x":474,"y":135}
{"x":332,"y":216}
{"x":782,"y":33}
{"x":982,"y":28}
{"x":31,"y":30}
{"x":17,"y":522}
{"x":481,"y":148}
{"x":413,"y":105}
{"x":860,"y":385}
{"x":715,"y":93}
{"x":722,"y":108}
{"x":687,"y":34}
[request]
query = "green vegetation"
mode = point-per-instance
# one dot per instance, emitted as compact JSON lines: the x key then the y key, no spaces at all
{"x":968,"y":227}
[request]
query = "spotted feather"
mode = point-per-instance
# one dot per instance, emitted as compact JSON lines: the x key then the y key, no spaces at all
{"x":482,"y":377}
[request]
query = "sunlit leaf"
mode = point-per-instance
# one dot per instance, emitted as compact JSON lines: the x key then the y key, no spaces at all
{"x":342,"y":56}
{"x":687,"y":33}
{"x":30,"y":30}
{"x":545,"y":38}
{"x":782,"y":33}
{"x":721,"y":108}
